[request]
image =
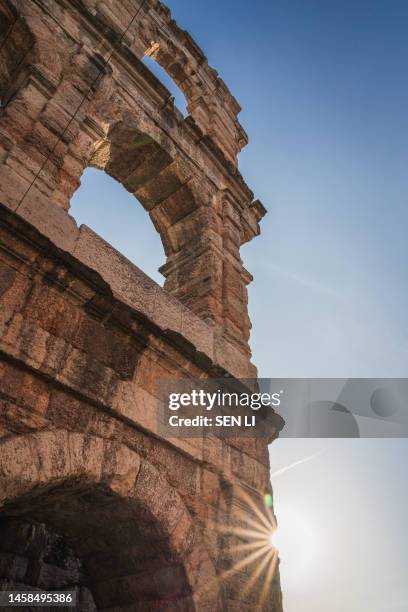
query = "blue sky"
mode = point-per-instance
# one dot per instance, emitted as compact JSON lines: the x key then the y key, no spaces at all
{"x":324,"y":93}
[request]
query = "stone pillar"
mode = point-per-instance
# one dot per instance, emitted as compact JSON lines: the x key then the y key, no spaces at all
{"x":206,"y":271}
{"x":193,"y":269}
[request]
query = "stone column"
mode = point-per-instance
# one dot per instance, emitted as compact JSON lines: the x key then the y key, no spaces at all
{"x":206,"y":271}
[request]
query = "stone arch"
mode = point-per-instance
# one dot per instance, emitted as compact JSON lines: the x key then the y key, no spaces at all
{"x":86,"y":98}
{"x":147,"y":166}
{"x":115,"y":511}
{"x":174,"y":61}
{"x":176,"y":97}
{"x":156,"y":34}
{"x":210,"y":103}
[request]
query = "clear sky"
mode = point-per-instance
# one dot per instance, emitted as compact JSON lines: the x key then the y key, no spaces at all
{"x":324,"y":91}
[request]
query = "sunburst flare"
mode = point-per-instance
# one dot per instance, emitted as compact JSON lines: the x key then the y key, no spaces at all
{"x":254,"y":527}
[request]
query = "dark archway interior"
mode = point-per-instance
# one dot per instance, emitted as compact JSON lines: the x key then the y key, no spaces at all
{"x":112,"y":552}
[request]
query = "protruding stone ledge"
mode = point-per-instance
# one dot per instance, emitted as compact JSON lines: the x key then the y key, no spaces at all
{"x":134,"y":288}
{"x":128,"y":284}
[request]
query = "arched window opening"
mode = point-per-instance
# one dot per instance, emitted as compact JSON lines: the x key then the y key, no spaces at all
{"x":159,"y":72}
{"x":104,"y":205}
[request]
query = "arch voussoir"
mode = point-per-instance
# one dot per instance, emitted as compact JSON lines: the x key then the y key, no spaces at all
{"x":140,"y":531}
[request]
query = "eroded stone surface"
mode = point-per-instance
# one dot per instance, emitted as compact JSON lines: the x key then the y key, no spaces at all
{"x":64,"y":108}
{"x":91,"y":497}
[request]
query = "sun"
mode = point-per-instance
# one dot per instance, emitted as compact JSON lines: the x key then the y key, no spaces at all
{"x":259,"y":541}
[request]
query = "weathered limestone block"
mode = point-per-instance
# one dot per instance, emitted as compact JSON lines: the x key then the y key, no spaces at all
{"x":72,"y":109}
{"x":92,"y":497}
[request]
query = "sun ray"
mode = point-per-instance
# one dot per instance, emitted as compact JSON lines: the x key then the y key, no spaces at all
{"x":250,"y":545}
{"x":268,"y":579}
{"x":272,"y":517}
{"x":245,"y":497}
{"x":255,"y":524}
{"x":256,"y":574}
{"x":249,"y":533}
{"x":244,"y":562}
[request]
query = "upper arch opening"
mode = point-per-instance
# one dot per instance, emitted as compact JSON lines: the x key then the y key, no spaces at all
{"x":180,"y":100}
{"x":146,"y":171}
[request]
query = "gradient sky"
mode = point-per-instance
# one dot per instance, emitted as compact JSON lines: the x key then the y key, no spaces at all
{"x":324,"y":93}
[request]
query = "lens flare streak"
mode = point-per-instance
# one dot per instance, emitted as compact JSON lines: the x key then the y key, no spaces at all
{"x":255,"y":526}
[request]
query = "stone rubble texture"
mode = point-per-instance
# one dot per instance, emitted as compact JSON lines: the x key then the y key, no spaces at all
{"x":91,"y":496}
